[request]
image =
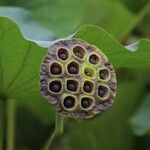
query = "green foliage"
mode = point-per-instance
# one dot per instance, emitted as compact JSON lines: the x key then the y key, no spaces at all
{"x":20,"y":60}
{"x":136,"y":55}
{"x":100,"y":12}
{"x":135,"y":5}
{"x":140,"y":121}
{"x":60,"y":16}
{"x":1,"y":123}
{"x":65,"y":16}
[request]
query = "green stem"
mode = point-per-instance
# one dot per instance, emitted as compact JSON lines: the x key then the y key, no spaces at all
{"x":2,"y":113}
{"x":135,"y":22}
{"x":56,"y":136}
{"x":11,"y":109}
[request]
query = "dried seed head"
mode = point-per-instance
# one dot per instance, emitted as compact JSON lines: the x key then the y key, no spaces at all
{"x":77,"y":78}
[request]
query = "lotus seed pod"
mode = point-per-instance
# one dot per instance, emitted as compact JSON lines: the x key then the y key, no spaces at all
{"x":77,"y":78}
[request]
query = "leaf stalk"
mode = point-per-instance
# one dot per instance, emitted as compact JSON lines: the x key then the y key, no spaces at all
{"x":56,"y":136}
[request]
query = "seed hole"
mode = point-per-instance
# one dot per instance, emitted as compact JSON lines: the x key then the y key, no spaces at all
{"x":72,"y":85}
{"x":63,"y":54}
{"x":103,"y":91}
{"x":79,"y":52}
{"x":69,"y":102}
{"x":88,"y":86}
{"x":89,"y":72}
{"x":55,"y":86}
{"x":104,"y":74}
{"x":73,"y":67}
{"x":94,"y":59}
{"x":86,"y":102}
{"x":56,"y":69}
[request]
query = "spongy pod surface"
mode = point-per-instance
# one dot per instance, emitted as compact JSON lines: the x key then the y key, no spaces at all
{"x":77,"y":78}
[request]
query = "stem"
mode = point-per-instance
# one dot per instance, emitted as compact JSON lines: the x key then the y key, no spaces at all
{"x":135,"y":22}
{"x":2,"y":113}
{"x":56,"y":136}
{"x":11,"y":109}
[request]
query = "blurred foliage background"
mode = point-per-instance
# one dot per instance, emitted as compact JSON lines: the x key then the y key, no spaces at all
{"x":124,"y":127}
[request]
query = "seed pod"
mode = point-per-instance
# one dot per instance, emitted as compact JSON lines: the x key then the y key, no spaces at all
{"x":77,"y":78}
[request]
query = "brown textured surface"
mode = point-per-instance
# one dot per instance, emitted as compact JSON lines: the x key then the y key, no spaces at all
{"x":99,"y":104}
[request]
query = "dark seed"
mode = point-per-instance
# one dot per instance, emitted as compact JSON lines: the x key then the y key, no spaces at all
{"x":56,"y":70}
{"x":63,"y":56}
{"x":72,"y":70}
{"x":63,"y":53}
{"x":79,"y":51}
{"x":87,"y":88}
{"x":92,"y":61}
{"x":78,"y":54}
{"x":71,"y":87}
{"x":102,"y":91}
{"x":103,"y":74}
{"x":86,"y":102}
{"x":73,"y":67}
{"x":55,"y":86}
{"x":69,"y":102}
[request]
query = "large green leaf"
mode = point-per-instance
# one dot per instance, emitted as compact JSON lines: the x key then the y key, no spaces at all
{"x":135,"y":55}
{"x":65,"y":16}
{"x":29,"y":27}
{"x":19,"y":65}
{"x":140,"y":121}
{"x":100,"y":14}
{"x":60,"y":16}
{"x":20,"y":59}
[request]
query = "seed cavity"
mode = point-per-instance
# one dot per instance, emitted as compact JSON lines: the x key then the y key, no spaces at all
{"x":63,"y":54}
{"x":69,"y":102}
{"x":79,"y":52}
{"x":89,"y":72}
{"x":103,"y":92}
{"x":72,"y":85}
{"x":104,"y":74}
{"x":94,"y":59}
{"x":55,"y":86}
{"x":55,"y":68}
{"x":73,"y":67}
{"x":88,"y":86}
{"x":87,"y":103}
